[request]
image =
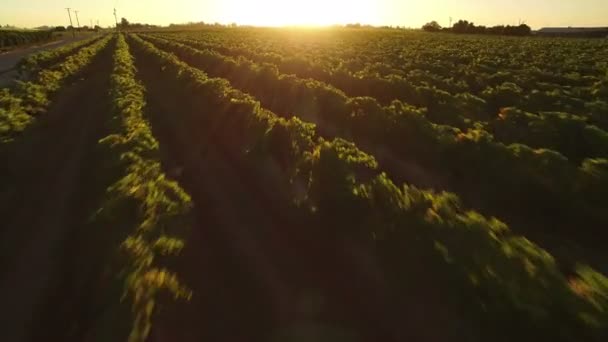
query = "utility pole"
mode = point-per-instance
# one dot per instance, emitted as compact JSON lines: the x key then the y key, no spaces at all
{"x":116,"y":19}
{"x":71,"y":25}
{"x":450,"y":22}
{"x":77,"y":21}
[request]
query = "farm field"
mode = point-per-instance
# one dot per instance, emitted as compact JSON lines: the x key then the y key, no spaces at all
{"x":13,"y":38}
{"x":254,"y":184}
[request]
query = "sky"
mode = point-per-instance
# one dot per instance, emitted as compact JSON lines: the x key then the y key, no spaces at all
{"x":408,"y":13}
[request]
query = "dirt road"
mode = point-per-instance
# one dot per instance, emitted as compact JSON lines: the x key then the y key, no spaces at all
{"x":8,"y":60}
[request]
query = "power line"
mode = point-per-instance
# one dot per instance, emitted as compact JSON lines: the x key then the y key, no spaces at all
{"x":77,"y":21}
{"x":115,"y":19}
{"x":71,"y":25}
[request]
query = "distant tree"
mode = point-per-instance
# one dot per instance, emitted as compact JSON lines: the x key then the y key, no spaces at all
{"x":60,"y":28}
{"x":124,"y":23}
{"x":433,"y":26}
{"x":462,"y":26}
{"x":521,"y":30}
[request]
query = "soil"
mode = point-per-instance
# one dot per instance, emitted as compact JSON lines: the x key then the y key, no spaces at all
{"x":54,"y":188}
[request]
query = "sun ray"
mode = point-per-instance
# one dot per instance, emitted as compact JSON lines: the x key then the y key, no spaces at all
{"x":305,"y":13}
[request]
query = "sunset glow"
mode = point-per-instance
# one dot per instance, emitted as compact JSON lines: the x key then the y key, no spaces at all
{"x":294,"y":12}
{"x":404,"y":13}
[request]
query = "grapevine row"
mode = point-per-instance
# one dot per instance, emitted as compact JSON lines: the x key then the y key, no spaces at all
{"x":475,"y":91}
{"x":344,"y":191}
{"x":574,"y":136}
{"x":530,"y":182}
{"x":479,"y":61}
{"x":11,"y":38}
{"x":32,"y":64}
{"x":19,"y":108}
{"x":144,"y":202}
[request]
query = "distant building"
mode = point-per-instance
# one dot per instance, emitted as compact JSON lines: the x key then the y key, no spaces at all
{"x":598,"y":32}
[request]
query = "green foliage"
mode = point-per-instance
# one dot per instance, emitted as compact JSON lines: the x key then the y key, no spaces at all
{"x":336,"y":166}
{"x":9,"y":39}
{"x":19,"y":107}
{"x":593,"y":287}
{"x":33,"y":63}
{"x":497,"y":275}
{"x":569,"y":134}
{"x":157,"y":207}
{"x":491,"y":274}
{"x":593,"y":180}
{"x":13,"y":117}
{"x":417,"y":136}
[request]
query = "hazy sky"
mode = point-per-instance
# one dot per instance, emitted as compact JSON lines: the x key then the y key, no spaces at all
{"x":412,"y":13}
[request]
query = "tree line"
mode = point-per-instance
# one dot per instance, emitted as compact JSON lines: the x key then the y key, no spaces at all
{"x":466,"y":27}
{"x":124,"y":24}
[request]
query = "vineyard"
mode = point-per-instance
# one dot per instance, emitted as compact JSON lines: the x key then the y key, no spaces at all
{"x":249,"y":184}
{"x":12,"y":38}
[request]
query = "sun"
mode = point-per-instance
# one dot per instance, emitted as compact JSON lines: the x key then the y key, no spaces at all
{"x":300,"y":12}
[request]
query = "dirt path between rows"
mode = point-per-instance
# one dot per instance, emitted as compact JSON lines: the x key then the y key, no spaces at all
{"x":56,"y":189}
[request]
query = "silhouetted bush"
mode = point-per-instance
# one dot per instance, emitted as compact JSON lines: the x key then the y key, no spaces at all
{"x":433,"y":26}
{"x":466,"y":27}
